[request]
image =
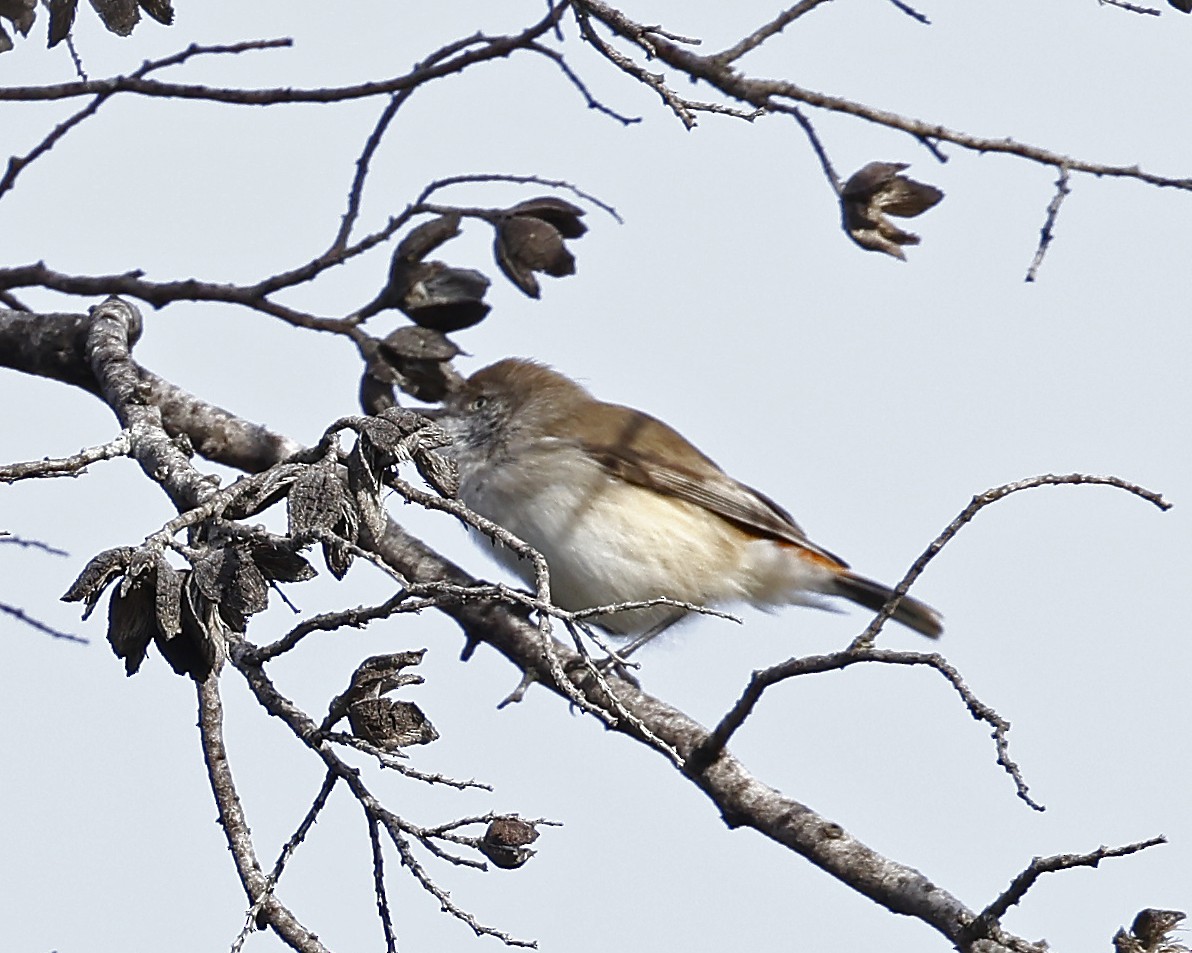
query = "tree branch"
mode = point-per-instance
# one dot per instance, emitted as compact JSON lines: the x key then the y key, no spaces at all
{"x":236,"y":829}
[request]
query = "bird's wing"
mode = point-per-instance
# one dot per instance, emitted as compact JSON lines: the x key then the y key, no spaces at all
{"x":645,"y":451}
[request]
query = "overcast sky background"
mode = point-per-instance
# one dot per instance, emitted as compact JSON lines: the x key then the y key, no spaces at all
{"x":872,"y":398}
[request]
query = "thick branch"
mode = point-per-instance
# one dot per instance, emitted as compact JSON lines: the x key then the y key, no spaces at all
{"x":742,"y":799}
{"x":55,"y":346}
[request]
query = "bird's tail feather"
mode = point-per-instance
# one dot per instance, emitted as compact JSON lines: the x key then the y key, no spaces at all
{"x":873,"y":595}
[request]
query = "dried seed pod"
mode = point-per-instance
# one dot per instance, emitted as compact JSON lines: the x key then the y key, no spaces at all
{"x":432,"y":293}
{"x":439,"y":296}
{"x":118,"y":16}
{"x":562,"y":215}
{"x":877,"y":191}
{"x":385,"y":722}
{"x":390,"y":724}
{"x":524,"y":245}
{"x":62,"y":14}
{"x":506,"y":841}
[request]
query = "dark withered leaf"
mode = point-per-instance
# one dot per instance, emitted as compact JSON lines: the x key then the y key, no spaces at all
{"x":338,"y":556}
{"x":243,"y":590}
{"x":439,"y":471}
{"x":382,"y":438}
{"x":432,"y":293}
{"x":21,"y":13}
{"x":428,"y":236}
{"x":275,"y":485}
{"x":118,"y":16}
{"x":316,"y":501}
{"x":132,"y":623}
{"x":280,"y":564}
{"x":208,"y":569}
{"x":97,"y":575}
{"x":1152,"y":925}
{"x":506,"y":841}
{"x":62,"y":14}
{"x":195,"y":651}
{"x":168,"y":598}
{"x":376,"y":393}
{"x":160,"y":10}
{"x":562,"y":215}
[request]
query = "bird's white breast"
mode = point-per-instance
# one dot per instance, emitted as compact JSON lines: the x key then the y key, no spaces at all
{"x":605,"y":540}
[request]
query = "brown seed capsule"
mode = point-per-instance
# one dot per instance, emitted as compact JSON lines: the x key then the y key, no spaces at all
{"x":876,"y":191}
{"x":524,"y":245}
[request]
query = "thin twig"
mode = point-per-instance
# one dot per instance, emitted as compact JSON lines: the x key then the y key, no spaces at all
{"x":593,"y":103}
{"x":355,"y":193}
{"x":378,"y":856}
{"x":287,"y":851}
{"x":495,"y":47}
{"x":451,"y":180}
{"x":763,"y":92}
{"x":764,"y":32}
{"x":1131,"y":7}
{"x":235,"y":825}
{"x":7,"y":537}
{"x":21,"y":616}
{"x":735,"y":717}
{"x":975,"y":506}
{"x":16,"y":164}
{"x":911,"y":12}
{"x":307,"y":732}
{"x":861,"y":649}
{"x":1045,"y":865}
{"x":1046,"y":233}
{"x":816,"y":145}
{"x":72,"y":466}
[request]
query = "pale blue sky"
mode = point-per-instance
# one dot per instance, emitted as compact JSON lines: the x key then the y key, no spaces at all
{"x":870,"y":397}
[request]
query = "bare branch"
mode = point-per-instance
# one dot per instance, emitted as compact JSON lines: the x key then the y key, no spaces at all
{"x":236,"y":829}
{"x":21,"y":616}
{"x":763,"y":93}
{"x":1130,"y":7}
{"x":307,"y":732}
{"x":451,"y":180}
{"x":1046,"y":865}
{"x":1046,"y":234}
{"x":72,"y":466}
{"x":7,"y":537}
{"x":767,"y":30}
{"x":488,"y":48}
{"x":287,"y":852}
{"x":975,"y":506}
{"x":816,"y":145}
{"x":911,"y":12}
{"x":17,"y":164}
{"x":735,"y":717}
{"x":374,"y":836}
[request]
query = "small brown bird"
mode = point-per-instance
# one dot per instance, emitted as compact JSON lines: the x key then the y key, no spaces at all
{"x":625,"y":509}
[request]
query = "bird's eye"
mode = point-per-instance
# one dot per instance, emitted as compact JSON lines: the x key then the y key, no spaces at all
{"x":478,"y":402}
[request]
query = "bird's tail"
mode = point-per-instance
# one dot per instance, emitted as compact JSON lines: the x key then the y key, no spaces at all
{"x":873,"y":595}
